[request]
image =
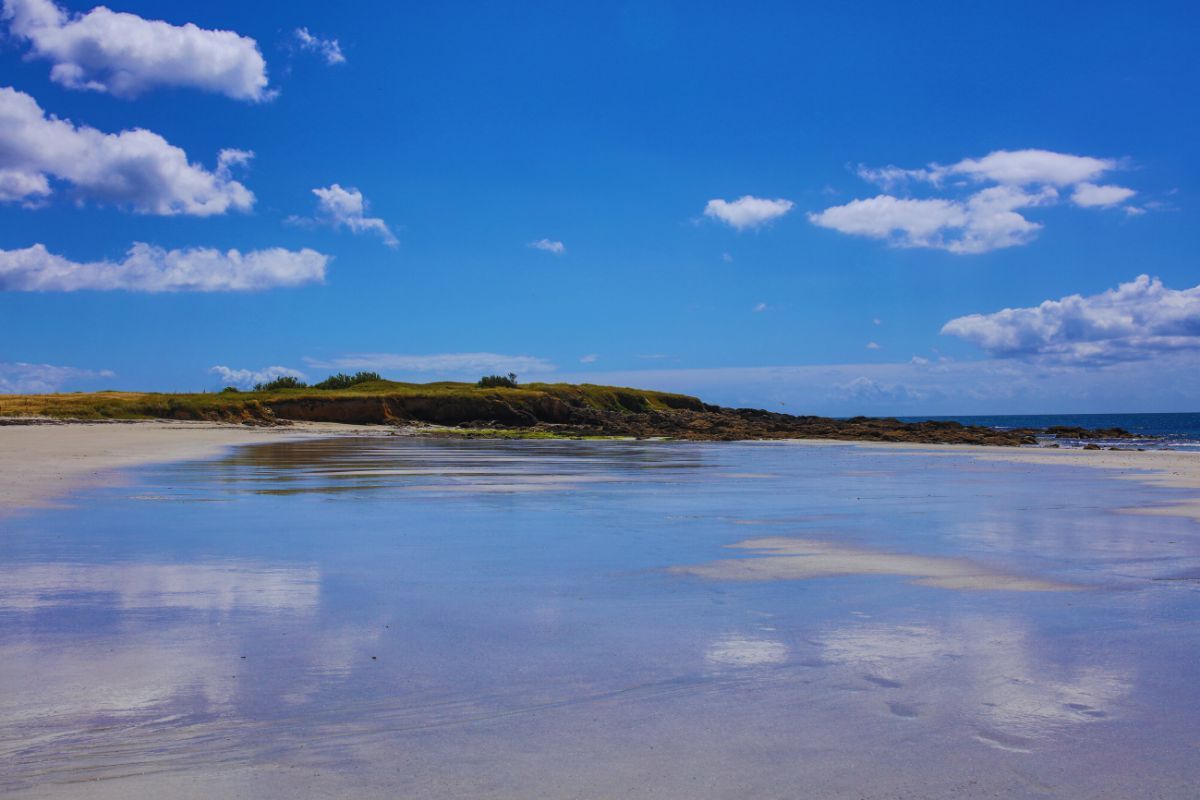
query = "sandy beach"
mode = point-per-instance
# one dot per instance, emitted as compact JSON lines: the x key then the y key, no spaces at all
{"x":334,"y":616}
{"x":42,"y":462}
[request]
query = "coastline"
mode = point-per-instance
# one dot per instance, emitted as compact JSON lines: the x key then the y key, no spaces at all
{"x":42,"y":462}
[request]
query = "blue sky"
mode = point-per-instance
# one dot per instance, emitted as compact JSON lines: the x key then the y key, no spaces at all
{"x":1037,"y":152}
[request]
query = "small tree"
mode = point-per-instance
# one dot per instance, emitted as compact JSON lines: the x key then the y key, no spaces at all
{"x":282,"y":382}
{"x":508,"y":381}
{"x":343,"y":381}
{"x":231,"y":390}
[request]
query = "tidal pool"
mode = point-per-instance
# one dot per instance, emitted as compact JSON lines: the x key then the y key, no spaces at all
{"x":398,"y":617}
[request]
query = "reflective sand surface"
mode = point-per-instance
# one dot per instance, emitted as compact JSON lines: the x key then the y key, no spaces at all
{"x":408,"y":618}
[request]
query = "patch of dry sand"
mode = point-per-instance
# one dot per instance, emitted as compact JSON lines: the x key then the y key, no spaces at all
{"x":39,"y":463}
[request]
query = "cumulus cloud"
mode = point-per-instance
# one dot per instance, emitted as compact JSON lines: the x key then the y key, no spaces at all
{"x":347,"y":208}
{"x":550,"y":246}
{"x":866,"y":390}
{"x":1090,"y":195}
{"x":590,"y":358}
{"x":26,"y":187}
{"x":152,"y":269}
{"x":1026,"y":167}
{"x":446,"y":363}
{"x":22,"y":378}
{"x":328,"y":49}
{"x":874,"y":346}
{"x":974,"y":220}
{"x":1136,"y":321}
{"x":747,"y":211}
{"x":918,"y":222}
{"x":137,"y":168}
{"x":125,"y":55}
{"x":760,"y":307}
{"x":247,"y":378}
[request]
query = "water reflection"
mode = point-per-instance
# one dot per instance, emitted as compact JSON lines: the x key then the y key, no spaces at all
{"x":986,"y":671}
{"x":480,"y":619}
{"x":199,"y":587}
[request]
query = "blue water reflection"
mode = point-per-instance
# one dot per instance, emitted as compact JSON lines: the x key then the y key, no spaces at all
{"x":402,"y":617}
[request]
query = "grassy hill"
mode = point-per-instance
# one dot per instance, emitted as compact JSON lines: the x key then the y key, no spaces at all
{"x":378,"y":401}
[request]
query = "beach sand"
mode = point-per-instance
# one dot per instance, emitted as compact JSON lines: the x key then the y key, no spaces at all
{"x":781,"y":558}
{"x":42,"y":462}
{"x":39,"y":463}
{"x":1171,"y":469}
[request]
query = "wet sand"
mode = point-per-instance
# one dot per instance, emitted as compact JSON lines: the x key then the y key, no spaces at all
{"x":1169,"y":469}
{"x":393,"y":616}
{"x":41,"y":462}
{"x":781,"y":558}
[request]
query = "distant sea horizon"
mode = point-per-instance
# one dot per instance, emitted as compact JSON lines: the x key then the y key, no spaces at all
{"x":1178,"y":429}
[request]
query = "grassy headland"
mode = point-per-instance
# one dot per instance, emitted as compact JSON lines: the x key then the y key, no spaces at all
{"x":533,"y":410}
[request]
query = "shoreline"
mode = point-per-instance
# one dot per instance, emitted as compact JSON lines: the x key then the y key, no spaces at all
{"x":41,"y":462}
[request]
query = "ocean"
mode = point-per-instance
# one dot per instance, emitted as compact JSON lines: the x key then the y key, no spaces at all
{"x":398,"y":617}
{"x":1179,"y":431}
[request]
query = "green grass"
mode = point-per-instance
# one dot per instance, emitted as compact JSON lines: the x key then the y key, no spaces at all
{"x":212,"y":405}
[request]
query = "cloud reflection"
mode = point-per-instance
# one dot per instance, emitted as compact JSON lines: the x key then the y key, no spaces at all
{"x":198,"y":587}
{"x":985,"y":670}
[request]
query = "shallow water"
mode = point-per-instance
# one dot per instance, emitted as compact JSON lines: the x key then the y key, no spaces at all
{"x":393,"y":617}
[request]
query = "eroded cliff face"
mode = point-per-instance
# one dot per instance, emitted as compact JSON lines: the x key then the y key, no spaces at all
{"x":572,"y":411}
{"x":554,"y":415}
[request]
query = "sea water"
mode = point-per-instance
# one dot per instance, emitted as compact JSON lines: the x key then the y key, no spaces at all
{"x":397,"y":617}
{"x":1177,"y":431}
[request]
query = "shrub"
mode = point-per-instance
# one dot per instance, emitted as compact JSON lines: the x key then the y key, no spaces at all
{"x":230,"y":390}
{"x":343,"y":381}
{"x":283,"y":382}
{"x":508,"y":381}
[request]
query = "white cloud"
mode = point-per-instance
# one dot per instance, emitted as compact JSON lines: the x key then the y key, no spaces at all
{"x":1138,"y":320}
{"x":125,"y":55}
{"x":347,"y":208}
{"x":27,"y":187}
{"x":550,"y":246}
{"x":747,"y":211}
{"x":1028,"y":167}
{"x":877,"y":321}
{"x":865,"y":390}
{"x":152,"y":269}
{"x":22,"y":378}
{"x":727,"y":258}
{"x":1090,"y":195}
{"x":890,"y":177}
{"x":136,"y":168}
{"x":916,"y":223}
{"x":328,"y":49}
{"x":761,"y":307}
{"x":874,"y":346}
{"x":590,"y":358}
{"x":247,"y":378}
{"x":980,"y":220}
{"x":472,"y":364}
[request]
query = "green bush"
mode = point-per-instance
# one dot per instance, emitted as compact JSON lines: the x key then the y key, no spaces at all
{"x":508,"y":381}
{"x":230,"y":390}
{"x":343,"y":381}
{"x":284,"y":382}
